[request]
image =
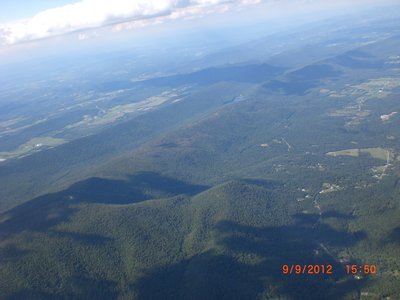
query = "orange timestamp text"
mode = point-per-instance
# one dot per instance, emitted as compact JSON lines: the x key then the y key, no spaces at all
{"x":311,"y":269}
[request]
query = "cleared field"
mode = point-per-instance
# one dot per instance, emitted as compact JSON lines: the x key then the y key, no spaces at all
{"x":378,"y":153}
{"x":377,"y":88}
{"x":373,"y":89}
{"x":117,"y":112}
{"x":347,"y":152}
{"x":32,"y":145}
{"x":330,"y":188}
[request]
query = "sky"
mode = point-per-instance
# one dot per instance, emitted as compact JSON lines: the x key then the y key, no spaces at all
{"x":21,"y":22}
{"x":24,"y":21}
{"x":22,"y":9}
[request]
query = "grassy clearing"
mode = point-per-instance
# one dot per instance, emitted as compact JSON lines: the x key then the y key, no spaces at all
{"x":33,"y":145}
{"x":347,"y":152}
{"x":330,"y":187}
{"x":118,"y":112}
{"x":373,"y":88}
{"x":378,"y":153}
{"x":378,"y":88}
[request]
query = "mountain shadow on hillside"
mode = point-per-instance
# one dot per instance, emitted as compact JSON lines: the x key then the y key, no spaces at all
{"x":44,"y":212}
{"x":250,"y":266}
{"x":248,"y":74}
{"x":395,"y":235}
{"x":299,"y":82}
{"x":356,"y":59}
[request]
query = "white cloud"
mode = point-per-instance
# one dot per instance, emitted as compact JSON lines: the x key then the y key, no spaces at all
{"x":184,"y":13}
{"x":128,"y":14}
{"x":82,"y":36}
{"x":94,"y":13}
